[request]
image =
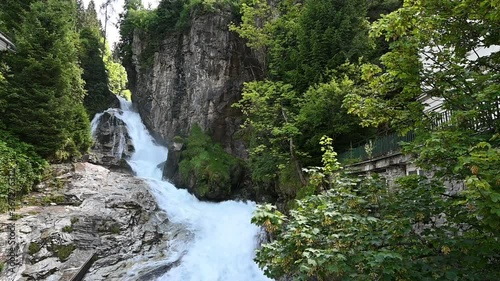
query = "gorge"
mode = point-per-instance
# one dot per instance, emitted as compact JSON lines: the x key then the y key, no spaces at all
{"x":326,"y":113}
{"x":224,"y":240}
{"x":139,"y":232}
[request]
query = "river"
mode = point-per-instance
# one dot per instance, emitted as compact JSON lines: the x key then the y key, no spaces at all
{"x":224,"y":240}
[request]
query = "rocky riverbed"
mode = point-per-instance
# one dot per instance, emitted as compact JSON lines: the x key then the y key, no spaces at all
{"x":96,"y":210}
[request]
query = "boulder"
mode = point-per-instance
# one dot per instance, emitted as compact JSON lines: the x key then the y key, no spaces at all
{"x":112,"y":143}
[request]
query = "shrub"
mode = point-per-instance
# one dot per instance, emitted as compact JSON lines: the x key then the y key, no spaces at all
{"x":209,"y":164}
{"x":20,"y":168}
{"x":63,"y":251}
{"x":33,"y":248}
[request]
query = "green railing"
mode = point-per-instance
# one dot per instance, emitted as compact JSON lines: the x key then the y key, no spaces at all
{"x":376,"y":147}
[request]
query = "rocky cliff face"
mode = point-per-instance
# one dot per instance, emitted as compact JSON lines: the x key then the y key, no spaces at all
{"x":195,"y":77}
{"x":110,"y":213}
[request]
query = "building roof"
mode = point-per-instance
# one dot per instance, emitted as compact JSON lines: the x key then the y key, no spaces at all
{"x":5,"y":43}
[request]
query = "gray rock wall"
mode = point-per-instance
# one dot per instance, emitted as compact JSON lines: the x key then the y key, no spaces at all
{"x":195,"y":77}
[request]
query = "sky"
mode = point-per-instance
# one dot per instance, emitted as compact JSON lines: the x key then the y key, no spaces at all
{"x":112,"y":31}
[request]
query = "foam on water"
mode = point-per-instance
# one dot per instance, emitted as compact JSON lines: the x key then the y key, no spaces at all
{"x":224,"y":241}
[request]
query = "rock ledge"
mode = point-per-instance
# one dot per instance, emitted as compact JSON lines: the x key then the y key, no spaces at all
{"x":107,"y":212}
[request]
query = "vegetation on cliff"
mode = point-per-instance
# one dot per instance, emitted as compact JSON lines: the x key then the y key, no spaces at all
{"x":206,"y":168}
{"x":171,"y":16}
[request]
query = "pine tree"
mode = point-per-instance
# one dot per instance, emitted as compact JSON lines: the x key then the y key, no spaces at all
{"x":91,"y":54}
{"x":43,"y":106}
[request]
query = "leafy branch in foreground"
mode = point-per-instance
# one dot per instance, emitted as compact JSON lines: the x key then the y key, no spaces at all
{"x":360,"y":229}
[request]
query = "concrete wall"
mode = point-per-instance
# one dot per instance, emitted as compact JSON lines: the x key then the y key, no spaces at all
{"x":390,"y":167}
{"x":397,"y":165}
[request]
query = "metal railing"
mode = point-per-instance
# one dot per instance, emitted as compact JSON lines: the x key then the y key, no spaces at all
{"x":384,"y":145}
{"x":376,"y":147}
{"x":78,"y":276}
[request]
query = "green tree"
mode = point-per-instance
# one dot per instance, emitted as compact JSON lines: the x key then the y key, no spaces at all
{"x":127,"y":28}
{"x":438,"y":54}
{"x":304,"y":46}
{"x":331,"y":32}
{"x":304,"y":40}
{"x":271,"y":110}
{"x":91,"y":56}
{"x":12,"y":13}
{"x":117,"y":76}
{"x":43,"y":106}
{"x":322,"y":113}
{"x":108,"y":10}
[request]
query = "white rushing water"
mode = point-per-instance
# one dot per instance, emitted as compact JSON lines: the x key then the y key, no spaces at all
{"x":224,"y":239}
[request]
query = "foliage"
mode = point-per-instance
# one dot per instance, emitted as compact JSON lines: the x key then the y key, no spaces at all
{"x":270,"y":111}
{"x":258,"y":26}
{"x":12,"y":13}
{"x":33,"y":248}
{"x":67,"y":228}
{"x":303,"y":40}
{"x":322,"y":113}
{"x":362,"y":230}
{"x":63,"y":251}
{"x":91,"y":54}
{"x":47,"y":112}
{"x":212,"y":168}
{"x":437,"y":54}
{"x":483,"y":182}
{"x":20,"y":168}
{"x":304,"y":47}
{"x":284,"y":128}
{"x":117,"y":76}
{"x":443,"y":54}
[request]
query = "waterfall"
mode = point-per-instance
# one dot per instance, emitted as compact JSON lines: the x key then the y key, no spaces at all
{"x":224,"y":240}
{"x":95,"y":123}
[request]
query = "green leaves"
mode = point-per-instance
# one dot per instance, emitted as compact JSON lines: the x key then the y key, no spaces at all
{"x":270,"y":111}
{"x":347,"y":235}
{"x":20,"y":168}
{"x":206,"y":166}
{"x":43,"y":106}
{"x":103,"y":77}
{"x":483,"y":182}
{"x":364,"y":230}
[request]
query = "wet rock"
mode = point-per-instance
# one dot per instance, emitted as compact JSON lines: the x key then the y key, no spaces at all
{"x":112,"y":143}
{"x":117,"y":218}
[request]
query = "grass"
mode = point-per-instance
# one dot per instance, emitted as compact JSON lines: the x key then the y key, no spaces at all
{"x":15,"y":217}
{"x":53,"y":199}
{"x":68,"y":228}
{"x":64,"y":251}
{"x":33,"y":248}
